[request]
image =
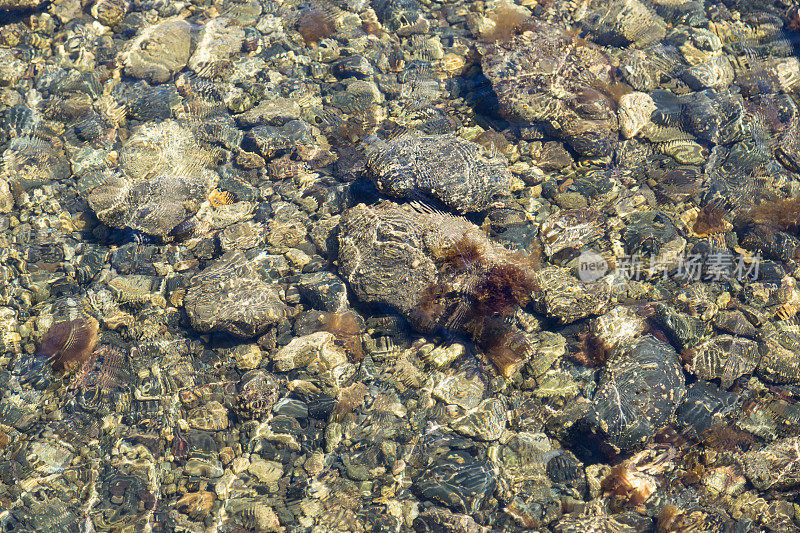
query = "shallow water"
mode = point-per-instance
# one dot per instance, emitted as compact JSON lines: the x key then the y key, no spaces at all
{"x":399,"y":265}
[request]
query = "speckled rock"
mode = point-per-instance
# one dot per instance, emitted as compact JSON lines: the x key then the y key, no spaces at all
{"x":457,"y":481}
{"x":440,"y":272}
{"x":379,"y":266}
{"x":230,"y":296}
{"x":703,"y":407}
{"x":211,"y":417}
{"x":715,"y":72}
{"x":256,"y":393}
{"x":318,"y":356}
{"x":560,"y":295}
{"x":714,"y":116}
{"x":638,"y":392}
{"x":159,"y":51}
{"x":314,"y":349}
{"x":6,"y":198}
{"x":392,"y":254}
{"x":543,"y":75}
{"x":242,"y":235}
{"x":275,"y":140}
{"x":444,"y":167}
{"x":779,"y":347}
{"x":324,"y":290}
{"x":20,"y":4}
{"x":622,"y":22}
{"x":725,"y":357}
{"x":575,"y":523}
{"x":634,"y":113}
{"x":218,"y":40}
{"x":9,"y":331}
{"x":775,"y":466}
{"x":571,"y":229}
{"x":30,"y":162}
{"x":275,"y":112}
{"x":734,"y":322}
{"x":486,"y":421}
{"x":162,"y":179}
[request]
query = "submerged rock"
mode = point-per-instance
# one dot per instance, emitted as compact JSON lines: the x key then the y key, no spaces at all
{"x":456,"y":480}
{"x":441,"y":272}
{"x":775,"y":466}
{"x":20,"y":4}
{"x":444,"y":167}
{"x":725,"y":357}
{"x":30,"y":162}
{"x":162,"y":179}
{"x":382,"y":255}
{"x":779,"y":362}
{"x":231,"y":296}
{"x":544,"y":75}
{"x":562,"y":296}
{"x":159,"y":51}
{"x":638,"y":392}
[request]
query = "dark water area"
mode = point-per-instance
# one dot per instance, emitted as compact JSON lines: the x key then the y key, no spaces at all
{"x":399,"y":265}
